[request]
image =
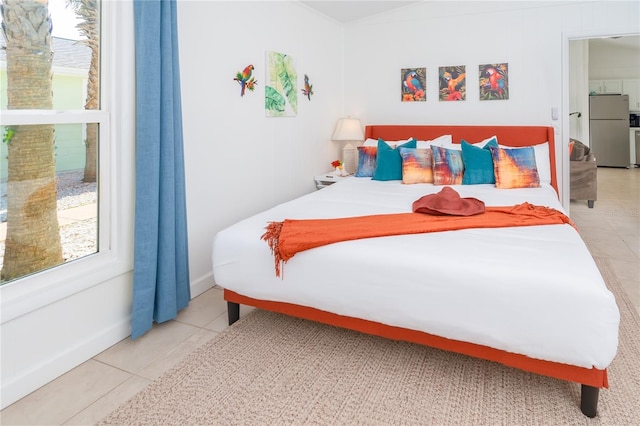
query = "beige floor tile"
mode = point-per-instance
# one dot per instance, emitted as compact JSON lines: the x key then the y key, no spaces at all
{"x":204,"y":308}
{"x":134,"y":355}
{"x":61,"y":399}
{"x":219,"y":324}
{"x":109,"y":402}
{"x":612,"y":249}
{"x":177,"y":354}
{"x":626,"y":270}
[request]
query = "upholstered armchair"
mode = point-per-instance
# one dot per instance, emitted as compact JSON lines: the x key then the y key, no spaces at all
{"x":583,"y":172}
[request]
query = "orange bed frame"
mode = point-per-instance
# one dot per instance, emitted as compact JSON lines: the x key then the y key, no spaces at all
{"x":591,"y":379}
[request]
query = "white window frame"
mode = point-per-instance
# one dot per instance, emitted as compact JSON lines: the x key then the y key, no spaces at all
{"x":115,"y":176}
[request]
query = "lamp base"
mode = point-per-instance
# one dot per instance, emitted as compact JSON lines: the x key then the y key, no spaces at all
{"x":349,"y":158}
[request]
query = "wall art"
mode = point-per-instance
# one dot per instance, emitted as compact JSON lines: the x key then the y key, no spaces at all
{"x":308,"y":87}
{"x":245,"y":80}
{"x":413,"y":84}
{"x":281,"y":87}
{"x":494,"y":81}
{"x":452,"y":83}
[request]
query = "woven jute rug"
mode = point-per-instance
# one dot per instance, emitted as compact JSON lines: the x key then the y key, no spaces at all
{"x":270,"y":369}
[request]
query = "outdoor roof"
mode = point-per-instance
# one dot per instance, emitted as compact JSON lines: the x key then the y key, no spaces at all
{"x":66,"y":53}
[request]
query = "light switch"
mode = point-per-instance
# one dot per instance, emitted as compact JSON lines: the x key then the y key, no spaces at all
{"x":554,"y":113}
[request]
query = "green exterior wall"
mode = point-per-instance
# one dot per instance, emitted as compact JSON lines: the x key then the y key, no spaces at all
{"x":68,"y":94}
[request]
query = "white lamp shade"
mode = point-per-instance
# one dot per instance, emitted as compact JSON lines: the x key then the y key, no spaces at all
{"x":348,"y":129}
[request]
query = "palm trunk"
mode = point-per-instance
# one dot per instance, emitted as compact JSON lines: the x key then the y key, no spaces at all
{"x":33,"y":237}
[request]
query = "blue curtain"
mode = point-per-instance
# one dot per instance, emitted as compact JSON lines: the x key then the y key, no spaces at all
{"x":161,"y":262}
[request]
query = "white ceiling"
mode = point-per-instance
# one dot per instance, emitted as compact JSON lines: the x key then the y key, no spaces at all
{"x":347,"y":11}
{"x":629,"y":42}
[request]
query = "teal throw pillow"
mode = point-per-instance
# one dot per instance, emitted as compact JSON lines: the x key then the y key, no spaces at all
{"x":389,"y":160}
{"x":478,"y":163}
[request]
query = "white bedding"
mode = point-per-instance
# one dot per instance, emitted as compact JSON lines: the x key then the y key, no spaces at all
{"x":529,"y":290}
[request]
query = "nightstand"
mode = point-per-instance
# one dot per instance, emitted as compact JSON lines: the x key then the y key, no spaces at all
{"x":328,"y":179}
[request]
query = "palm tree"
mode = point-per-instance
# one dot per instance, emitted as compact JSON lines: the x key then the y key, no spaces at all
{"x":87,"y":11}
{"x":33,"y":237}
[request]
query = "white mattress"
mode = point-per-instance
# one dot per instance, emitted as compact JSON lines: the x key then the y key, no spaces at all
{"x":529,"y":290}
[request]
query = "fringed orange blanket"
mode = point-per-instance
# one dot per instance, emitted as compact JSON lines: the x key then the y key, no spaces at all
{"x":291,"y":236}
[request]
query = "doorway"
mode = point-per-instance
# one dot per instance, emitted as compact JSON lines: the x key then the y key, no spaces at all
{"x":589,"y":57}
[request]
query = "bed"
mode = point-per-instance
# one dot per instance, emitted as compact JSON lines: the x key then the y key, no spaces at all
{"x":529,"y":297}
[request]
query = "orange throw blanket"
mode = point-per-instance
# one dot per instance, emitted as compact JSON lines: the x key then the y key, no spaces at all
{"x":291,"y":236}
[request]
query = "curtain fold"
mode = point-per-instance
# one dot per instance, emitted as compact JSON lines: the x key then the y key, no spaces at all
{"x":161,"y":263}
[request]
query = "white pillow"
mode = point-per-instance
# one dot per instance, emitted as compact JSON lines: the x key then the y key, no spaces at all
{"x":374,"y":142}
{"x":458,"y":146}
{"x":543,"y":163}
{"x":439,"y":141}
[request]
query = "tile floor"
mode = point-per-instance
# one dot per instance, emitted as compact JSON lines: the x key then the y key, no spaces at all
{"x":89,"y":392}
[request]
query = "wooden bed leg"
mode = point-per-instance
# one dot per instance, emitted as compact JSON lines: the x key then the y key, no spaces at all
{"x":233,"y":309}
{"x":589,"y":400}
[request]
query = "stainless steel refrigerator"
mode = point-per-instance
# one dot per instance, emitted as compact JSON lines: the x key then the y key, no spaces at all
{"x":609,"y":130}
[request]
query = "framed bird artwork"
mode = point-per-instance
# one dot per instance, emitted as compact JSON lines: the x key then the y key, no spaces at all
{"x":413,"y":84}
{"x":246,"y":80}
{"x":494,"y":81}
{"x":452,"y":83}
{"x":308,"y":87}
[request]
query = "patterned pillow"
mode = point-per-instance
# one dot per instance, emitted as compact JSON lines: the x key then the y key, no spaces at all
{"x":448,"y":167}
{"x":478,"y":164}
{"x":366,"y":161}
{"x":389,"y":161}
{"x":417,"y":165}
{"x":515,"y":168}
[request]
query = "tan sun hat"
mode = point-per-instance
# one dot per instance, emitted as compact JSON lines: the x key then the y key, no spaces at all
{"x":448,"y":202}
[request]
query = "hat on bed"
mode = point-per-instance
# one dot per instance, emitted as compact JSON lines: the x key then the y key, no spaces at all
{"x":448,"y":202}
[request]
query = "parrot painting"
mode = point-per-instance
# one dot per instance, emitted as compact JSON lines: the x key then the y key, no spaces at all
{"x":308,"y":87}
{"x":496,"y":82}
{"x":413,"y":88}
{"x":451,"y":92}
{"x":493,"y":81}
{"x":245,"y":80}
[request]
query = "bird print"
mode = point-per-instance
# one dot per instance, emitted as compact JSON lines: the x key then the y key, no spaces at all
{"x":308,"y":87}
{"x":245,"y":80}
{"x":496,"y":80}
{"x":453,"y":94}
{"x":412,"y":85}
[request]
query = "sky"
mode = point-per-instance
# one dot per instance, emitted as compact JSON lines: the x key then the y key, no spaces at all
{"x":64,"y":20}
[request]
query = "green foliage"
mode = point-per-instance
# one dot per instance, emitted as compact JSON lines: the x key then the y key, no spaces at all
{"x":283,"y":77}
{"x":7,"y":134}
{"x":287,"y":76}
{"x":273,"y":100}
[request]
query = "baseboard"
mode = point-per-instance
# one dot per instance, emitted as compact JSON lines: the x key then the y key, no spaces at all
{"x":20,"y":386}
{"x":202,"y":284}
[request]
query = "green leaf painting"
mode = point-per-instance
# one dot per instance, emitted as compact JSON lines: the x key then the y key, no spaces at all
{"x":281,"y":93}
{"x":273,"y":100}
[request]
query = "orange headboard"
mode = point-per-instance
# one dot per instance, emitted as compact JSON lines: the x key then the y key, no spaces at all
{"x":507,"y":135}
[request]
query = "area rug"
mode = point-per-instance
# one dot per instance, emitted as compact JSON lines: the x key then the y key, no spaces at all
{"x":270,"y":369}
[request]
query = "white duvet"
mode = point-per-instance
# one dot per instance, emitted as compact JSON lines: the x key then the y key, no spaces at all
{"x":528,"y":290}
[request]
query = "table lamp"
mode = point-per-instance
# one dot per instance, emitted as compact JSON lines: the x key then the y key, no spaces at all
{"x":348,"y":130}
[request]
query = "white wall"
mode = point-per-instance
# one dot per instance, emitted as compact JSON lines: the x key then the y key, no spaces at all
{"x":613,"y":60}
{"x":238,"y":161}
{"x":526,"y":35}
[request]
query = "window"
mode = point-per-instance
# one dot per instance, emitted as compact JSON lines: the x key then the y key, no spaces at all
{"x":52,"y":124}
